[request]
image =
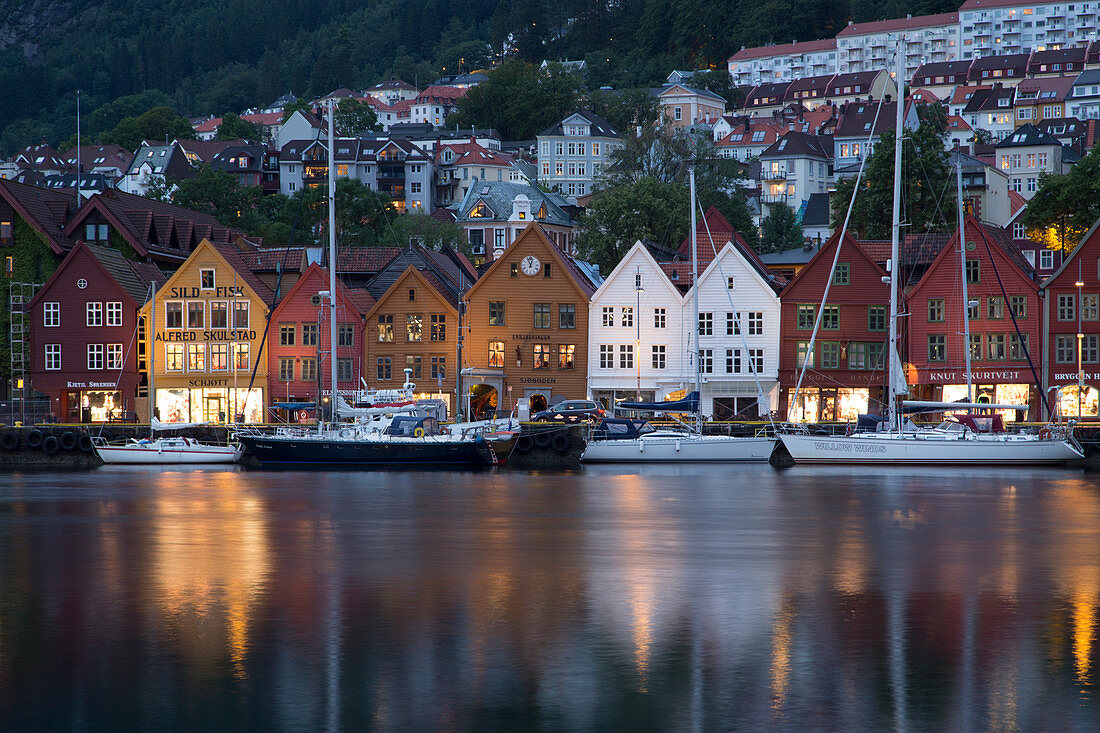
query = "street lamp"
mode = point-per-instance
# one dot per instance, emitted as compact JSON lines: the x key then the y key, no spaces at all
{"x":1080,"y":338}
{"x":638,"y":290}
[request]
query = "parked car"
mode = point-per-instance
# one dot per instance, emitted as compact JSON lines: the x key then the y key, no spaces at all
{"x":570,"y":411}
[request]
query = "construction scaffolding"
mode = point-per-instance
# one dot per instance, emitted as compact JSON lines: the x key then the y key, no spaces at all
{"x":19,"y":297}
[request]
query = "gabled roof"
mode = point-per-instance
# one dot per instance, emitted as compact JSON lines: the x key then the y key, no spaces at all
{"x":364,"y":260}
{"x":1071,"y":55}
{"x":858,"y":82}
{"x":640,"y":249}
{"x":946,"y":69}
{"x":762,"y":93}
{"x":1026,"y":135}
{"x":1046,"y":89}
{"x":600,"y":126}
{"x":1072,"y":255}
{"x":817,"y":211}
{"x":499,"y":196}
{"x":426,"y":278}
{"x":990,"y":100}
{"x":578,"y":275}
{"x":232,"y":257}
{"x":798,"y":144}
{"x":784,"y":49}
{"x":671,"y":89}
{"x":825,"y":252}
{"x":857,"y":117}
{"x":354,"y":298}
{"x":44,"y":210}
{"x":738,"y":247}
{"x":134,"y":284}
{"x":964,"y":93}
{"x":994,"y":237}
{"x":274,"y":258}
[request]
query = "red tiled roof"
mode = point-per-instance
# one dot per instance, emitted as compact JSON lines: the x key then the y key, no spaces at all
{"x":959,"y":97}
{"x":233,"y":256}
{"x":899,"y":24}
{"x":362,"y":299}
{"x":365,"y":259}
{"x":783,"y":49}
{"x":210,"y":125}
{"x":267,"y":119}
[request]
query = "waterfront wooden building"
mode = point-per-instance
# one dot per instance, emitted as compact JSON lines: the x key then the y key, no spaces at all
{"x":844,"y":376}
{"x":85,"y":353}
{"x":1000,"y":284}
{"x":527,"y":342}
{"x":299,"y":339}
{"x":205,"y":339}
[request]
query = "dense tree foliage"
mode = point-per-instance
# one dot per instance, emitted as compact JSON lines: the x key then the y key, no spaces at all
{"x":210,"y":57}
{"x":928,"y":188}
{"x":159,"y":123}
{"x":234,"y":128}
{"x":520,"y":99}
{"x":779,"y":230}
{"x":354,"y":117}
{"x":1065,"y":207}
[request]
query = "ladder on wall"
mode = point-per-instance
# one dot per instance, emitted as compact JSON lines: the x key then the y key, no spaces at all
{"x":19,"y":297}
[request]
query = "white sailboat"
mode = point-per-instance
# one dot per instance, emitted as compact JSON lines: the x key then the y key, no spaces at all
{"x":973,"y":437}
{"x":635,"y":441}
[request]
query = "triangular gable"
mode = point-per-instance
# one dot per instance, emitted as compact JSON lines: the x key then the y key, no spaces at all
{"x":713,"y":267}
{"x":1073,"y":254}
{"x":32,"y":221}
{"x":243,"y":281}
{"x":826,"y":250}
{"x":79,"y":250}
{"x":533,"y":230}
{"x":139,"y":221}
{"x":951,"y":249}
{"x":410,"y":274}
{"x":481,"y":203}
{"x":315,"y":270}
{"x":627,"y":261}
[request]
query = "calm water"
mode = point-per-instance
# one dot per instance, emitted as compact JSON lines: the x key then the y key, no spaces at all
{"x":666,"y":599}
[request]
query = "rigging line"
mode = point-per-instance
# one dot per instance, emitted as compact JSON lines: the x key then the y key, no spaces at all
{"x":1012,"y":313}
{"x":736,"y":320}
{"x":829,"y":281}
{"x":122,"y":366}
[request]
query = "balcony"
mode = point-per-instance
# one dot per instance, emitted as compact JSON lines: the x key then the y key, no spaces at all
{"x":773,"y":198}
{"x":770,"y":175}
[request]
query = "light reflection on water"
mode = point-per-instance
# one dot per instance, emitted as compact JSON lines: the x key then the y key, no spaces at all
{"x":668,"y":598}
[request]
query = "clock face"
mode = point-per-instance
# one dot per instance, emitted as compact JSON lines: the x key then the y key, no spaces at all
{"x":530,"y":265}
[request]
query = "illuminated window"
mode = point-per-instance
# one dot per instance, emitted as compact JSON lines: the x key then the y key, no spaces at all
{"x":287,"y":333}
{"x":566,"y":352}
{"x":114,"y":312}
{"x":196,"y":357}
{"x":496,"y":353}
{"x":542,"y":356}
{"x":93,"y":314}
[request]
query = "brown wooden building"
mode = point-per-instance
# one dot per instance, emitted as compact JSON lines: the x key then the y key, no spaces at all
{"x":527,"y":341}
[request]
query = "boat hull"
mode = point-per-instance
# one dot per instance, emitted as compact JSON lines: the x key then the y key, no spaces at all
{"x":140,"y":455}
{"x":274,"y":450}
{"x":684,"y":449}
{"x":914,"y":449}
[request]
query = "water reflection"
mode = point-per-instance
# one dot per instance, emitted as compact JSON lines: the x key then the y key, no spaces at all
{"x":665,"y":599}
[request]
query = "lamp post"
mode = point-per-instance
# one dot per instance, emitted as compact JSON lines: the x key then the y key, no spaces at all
{"x":638,"y":290}
{"x":1080,"y":338}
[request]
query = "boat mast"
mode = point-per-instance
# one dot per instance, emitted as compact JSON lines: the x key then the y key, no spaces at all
{"x":895,"y":236}
{"x":151,"y":334}
{"x":335,"y":414}
{"x":962,"y":268}
{"x":695,"y":301}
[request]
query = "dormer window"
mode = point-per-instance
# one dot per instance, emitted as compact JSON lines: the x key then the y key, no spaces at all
{"x":480,"y":211}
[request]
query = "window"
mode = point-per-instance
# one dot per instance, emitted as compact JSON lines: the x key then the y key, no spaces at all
{"x":309,"y":369}
{"x":658,"y":356}
{"x":566,"y":352}
{"x":206,"y":279}
{"x":608,"y":313}
{"x":496,"y":354}
{"x":439,"y":367}
{"x":309,"y":334}
{"x":412,"y":295}
{"x":567,"y":315}
{"x":607,"y":356}
{"x":876,"y":318}
{"x":626,"y":356}
{"x":345,"y":334}
{"x":973,"y":271}
{"x":731,"y":283}
{"x":841,"y":273}
{"x":413,"y":363}
{"x":196,"y":357}
{"x":385,"y":329}
{"x":830,"y":355}
{"x":173,"y":357}
{"x":935,"y":310}
{"x":1064,"y":350}
{"x":196,"y":312}
{"x":803,"y":356}
{"x":733,"y":361}
{"x":806,"y":317}
{"x":996,"y":346}
{"x":383,"y":368}
{"x":114,"y":356}
{"x":496,"y":312}
{"x":439,"y":327}
{"x":1017,"y":349}
{"x":706,"y":324}
{"x":995,"y":307}
{"x":95,"y":356}
{"x":287,"y":332}
{"x":975,"y":347}
{"x":936,"y":347}
{"x":658,"y":317}
{"x":114,"y":312}
{"x":830,"y":317}
{"x":93,"y":314}
{"x":541,"y":357}
{"x":286,"y":369}
{"x":864,"y":355}
{"x":546,"y":270}
{"x":414,"y":324}
{"x":514,"y":269}
{"x":542,"y":315}
{"x":1046,"y":259}
{"x":628,"y":316}
{"x":1089,"y":307}
{"x":219,"y":314}
{"x":1067,"y":307}
{"x":1018,"y":304}
{"x":219,"y":358}
{"x":706,"y":361}
{"x":242,"y":356}
{"x":756,"y":323}
{"x":756,"y":360}
{"x":1090,"y":348}
{"x":240,"y":314}
{"x":53,"y":357}
{"x":51,"y":314}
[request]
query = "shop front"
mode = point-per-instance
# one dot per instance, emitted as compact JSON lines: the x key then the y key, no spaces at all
{"x":1076,"y":396}
{"x":91,"y":402}
{"x":834,"y":404}
{"x":183,"y":400}
{"x":990,"y":386}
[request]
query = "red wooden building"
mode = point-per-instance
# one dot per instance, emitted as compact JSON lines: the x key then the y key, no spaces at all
{"x":82,"y":345}
{"x":845,"y":373}
{"x":299,"y":337}
{"x":1071,"y":306}
{"x":999,"y":284}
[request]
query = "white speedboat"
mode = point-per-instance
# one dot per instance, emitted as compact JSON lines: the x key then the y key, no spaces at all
{"x":166,"y":450}
{"x":620,"y":440}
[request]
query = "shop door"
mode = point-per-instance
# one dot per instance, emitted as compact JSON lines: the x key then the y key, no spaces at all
{"x":213,"y":408}
{"x":72,"y":406}
{"x":828,"y":406}
{"x":538,"y":403}
{"x":483,"y":401}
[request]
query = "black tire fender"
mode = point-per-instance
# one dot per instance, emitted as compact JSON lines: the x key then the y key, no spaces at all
{"x":542,"y":440}
{"x":68,"y":440}
{"x":561,"y":443}
{"x":51,"y":446}
{"x":9,"y":441}
{"x":84,"y":443}
{"x":524,"y":444}
{"x":35,"y":438}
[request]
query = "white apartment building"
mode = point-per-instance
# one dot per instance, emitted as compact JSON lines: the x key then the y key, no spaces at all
{"x":796,"y":166}
{"x":1026,"y":153}
{"x":871,"y":46}
{"x":993,"y":27}
{"x":573,"y":151}
{"x":783,"y":62}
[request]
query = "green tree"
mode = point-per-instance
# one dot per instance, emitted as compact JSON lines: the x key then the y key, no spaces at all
{"x":362,"y":215}
{"x":625,"y":109}
{"x":298,"y":105}
{"x":220,"y":194}
{"x":159,"y":123}
{"x":928,"y":188}
{"x":519,"y":99}
{"x":617,"y":217}
{"x":1065,"y":207}
{"x":779,"y":230}
{"x":403,"y":229}
{"x":234,"y":128}
{"x":354,"y":116}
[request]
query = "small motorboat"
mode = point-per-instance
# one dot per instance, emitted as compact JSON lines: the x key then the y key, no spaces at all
{"x":166,"y":450}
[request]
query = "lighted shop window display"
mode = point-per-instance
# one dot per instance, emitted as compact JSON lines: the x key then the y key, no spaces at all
{"x":210,"y":404}
{"x":805,"y":407}
{"x":1004,"y":394}
{"x":101,"y":404}
{"x":847,"y":404}
{"x":1089,"y":402}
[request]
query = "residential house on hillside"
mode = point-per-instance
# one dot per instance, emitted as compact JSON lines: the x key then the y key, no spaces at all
{"x":854,"y":137}
{"x":1057,"y":61}
{"x":1009,"y":70}
{"x":462,"y":164}
{"x":86,"y":354}
{"x":1026,"y":153}
{"x":1084,"y":98}
{"x":862,"y":86}
{"x":243,"y":162}
{"x":958,"y":100}
{"x":1069,"y":131}
{"x":301,"y":126}
{"x":809,"y":91}
{"x":435,"y":104}
{"x":991,"y":110}
{"x":1042,"y":98}
{"x":765,"y":98}
{"x":783,"y":62}
{"x":748,"y":140}
{"x":940,"y":77}
{"x":43,"y":159}
{"x":110,"y":160}
{"x":871,"y":46}
{"x":494,"y":213}
{"x":796,"y":166}
{"x":985,"y":188}
{"x":684,"y":106}
{"x":155,"y":164}
{"x":392,"y":91}
{"x":573,"y":151}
